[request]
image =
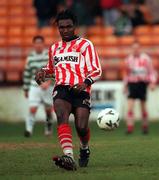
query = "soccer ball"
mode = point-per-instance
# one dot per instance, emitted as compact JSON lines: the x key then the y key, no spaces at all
{"x":108,"y":119}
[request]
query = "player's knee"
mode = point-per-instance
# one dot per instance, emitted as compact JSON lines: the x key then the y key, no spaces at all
{"x":62,"y":116}
{"x":130,"y":113}
{"x":62,"y":111}
{"x":33,"y":110}
{"x":144,"y":114}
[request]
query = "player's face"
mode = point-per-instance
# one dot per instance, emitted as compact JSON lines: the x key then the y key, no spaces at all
{"x":66,"y":29}
{"x":38,"y":45}
{"x":136,"y":49}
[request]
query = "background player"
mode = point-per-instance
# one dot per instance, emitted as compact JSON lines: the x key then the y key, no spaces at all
{"x":76,"y":66}
{"x":37,"y":94}
{"x":139,"y":74}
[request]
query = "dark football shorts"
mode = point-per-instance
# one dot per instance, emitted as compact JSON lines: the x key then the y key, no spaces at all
{"x":81,"y":99}
{"x":137,"y":90}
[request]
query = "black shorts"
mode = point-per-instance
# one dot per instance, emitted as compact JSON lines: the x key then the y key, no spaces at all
{"x":81,"y":99}
{"x":137,"y":90}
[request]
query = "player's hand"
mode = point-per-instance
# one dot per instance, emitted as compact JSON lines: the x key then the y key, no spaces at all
{"x":26,"y":93}
{"x":45,"y":85}
{"x":79,"y":87}
{"x":152,"y":86}
{"x":40,"y":76}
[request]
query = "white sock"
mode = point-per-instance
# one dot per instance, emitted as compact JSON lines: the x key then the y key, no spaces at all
{"x":29,"y":122}
{"x":83,"y":146}
{"x":70,"y":155}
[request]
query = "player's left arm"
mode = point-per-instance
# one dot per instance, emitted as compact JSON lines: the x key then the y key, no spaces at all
{"x":93,"y":67}
{"x":152,"y":74}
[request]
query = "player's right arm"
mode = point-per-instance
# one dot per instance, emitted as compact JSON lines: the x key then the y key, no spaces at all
{"x":27,"y":77}
{"x":152,"y":74}
{"x":47,"y":71}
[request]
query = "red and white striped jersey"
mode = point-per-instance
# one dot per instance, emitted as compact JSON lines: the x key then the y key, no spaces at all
{"x":74,"y":61}
{"x":140,"y":68}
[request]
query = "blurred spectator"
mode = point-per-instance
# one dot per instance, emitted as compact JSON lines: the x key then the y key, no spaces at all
{"x":96,"y":12}
{"x":88,"y":12}
{"x":110,"y":11}
{"x":123,"y":24}
{"x":98,"y":21}
{"x":85,"y":10}
{"x":81,"y":10}
{"x":153,"y":5}
{"x":137,"y":17}
{"x":126,"y":1}
{"x":45,"y":10}
{"x":138,"y":1}
{"x":138,"y":14}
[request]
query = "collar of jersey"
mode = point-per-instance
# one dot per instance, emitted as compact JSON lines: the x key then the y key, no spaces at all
{"x":73,"y":38}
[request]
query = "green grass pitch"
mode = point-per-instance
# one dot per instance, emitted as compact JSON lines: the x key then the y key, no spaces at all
{"x":114,"y":155}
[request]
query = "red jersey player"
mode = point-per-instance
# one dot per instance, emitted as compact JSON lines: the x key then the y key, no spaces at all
{"x":76,"y":66}
{"x":140,"y":73}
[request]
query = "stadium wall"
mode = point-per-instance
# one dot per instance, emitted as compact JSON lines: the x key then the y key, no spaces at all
{"x":14,"y":106}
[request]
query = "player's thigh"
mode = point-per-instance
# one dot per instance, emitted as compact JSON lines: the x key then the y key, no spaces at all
{"x":130,"y":104}
{"x":48,"y":108}
{"x":81,"y":117}
{"x":62,"y":109}
{"x":34,"y":96}
{"x":81,"y":109}
{"x":62,"y":101}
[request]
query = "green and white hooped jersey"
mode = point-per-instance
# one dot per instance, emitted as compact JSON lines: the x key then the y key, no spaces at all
{"x":34,"y":62}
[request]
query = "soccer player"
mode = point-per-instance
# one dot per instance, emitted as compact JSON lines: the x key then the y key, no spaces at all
{"x":139,"y":74}
{"x":34,"y":93}
{"x":76,"y":66}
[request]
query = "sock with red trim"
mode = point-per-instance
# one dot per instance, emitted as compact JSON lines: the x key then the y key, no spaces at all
{"x":130,"y":122}
{"x":65,"y":139}
{"x":144,"y":121}
{"x":130,"y":128}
